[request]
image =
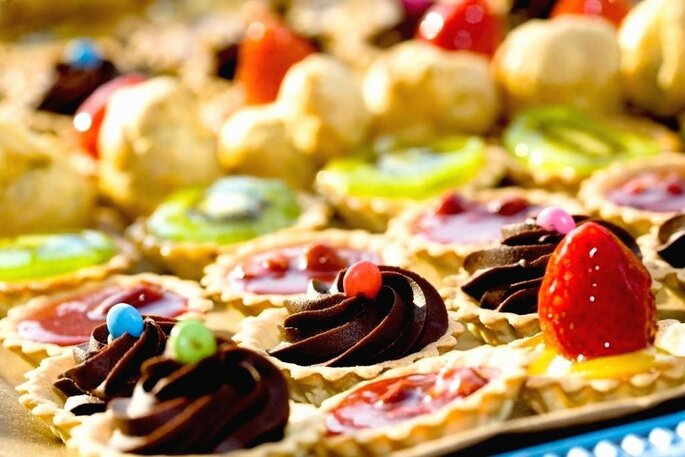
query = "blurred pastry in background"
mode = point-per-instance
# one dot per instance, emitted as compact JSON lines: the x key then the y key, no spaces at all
{"x":571,"y":60}
{"x":323,"y":108}
{"x":151,"y":143}
{"x":417,"y":91}
{"x":255,"y":141}
{"x":40,"y":191}
{"x":652,"y":40}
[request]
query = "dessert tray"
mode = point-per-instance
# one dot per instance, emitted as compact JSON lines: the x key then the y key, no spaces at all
{"x":291,"y":228}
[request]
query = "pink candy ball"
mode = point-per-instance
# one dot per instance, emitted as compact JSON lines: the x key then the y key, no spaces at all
{"x":554,"y":218}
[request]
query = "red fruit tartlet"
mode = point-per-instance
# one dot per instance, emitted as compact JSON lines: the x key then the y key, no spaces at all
{"x":599,"y":327}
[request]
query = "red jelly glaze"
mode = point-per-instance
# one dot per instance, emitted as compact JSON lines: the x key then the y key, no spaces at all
{"x":394,"y":400}
{"x":287,"y":271}
{"x":650,"y":191}
{"x":71,"y":319}
{"x":473,"y":222}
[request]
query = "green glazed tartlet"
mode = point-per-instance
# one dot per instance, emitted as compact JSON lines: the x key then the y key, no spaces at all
{"x":559,"y":145}
{"x":32,"y":265}
{"x":187,"y":231}
{"x":372,"y":186}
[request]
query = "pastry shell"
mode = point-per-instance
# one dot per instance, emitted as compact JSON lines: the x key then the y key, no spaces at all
{"x":493,"y":327}
{"x":188,"y":259}
{"x":34,"y":351}
{"x":251,"y":304}
{"x":546,"y":393}
{"x":449,"y":257}
{"x":16,"y":293}
{"x":304,"y":429}
{"x":491,"y":404}
{"x":661,"y":271}
{"x":313,"y":384}
{"x":593,"y":191}
{"x":570,"y":180}
{"x":373,"y":213}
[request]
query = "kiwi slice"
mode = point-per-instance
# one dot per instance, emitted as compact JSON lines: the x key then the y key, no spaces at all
{"x":559,"y":139}
{"x":31,"y":257}
{"x":394,"y":170}
{"x":233,"y":209}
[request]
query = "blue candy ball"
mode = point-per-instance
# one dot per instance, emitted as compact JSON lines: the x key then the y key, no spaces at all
{"x":124,"y":318}
{"x":83,"y":54}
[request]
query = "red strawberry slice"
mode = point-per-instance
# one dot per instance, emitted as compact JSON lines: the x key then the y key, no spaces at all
{"x":595,"y":298}
{"x":267,"y":52}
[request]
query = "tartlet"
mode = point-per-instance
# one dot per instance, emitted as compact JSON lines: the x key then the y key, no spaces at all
{"x":491,"y":403}
{"x":187,"y":231}
{"x":42,"y":264}
{"x":376,"y":184}
{"x":324,"y":360}
{"x":92,"y":374}
{"x":640,"y":194}
{"x":260,"y":422}
{"x":558,"y":146}
{"x":496,"y":293}
{"x":291,"y":260}
{"x":599,"y":325}
{"x":548,"y":392}
{"x":663,"y":248}
{"x":429,"y":232}
{"x":22,"y":330}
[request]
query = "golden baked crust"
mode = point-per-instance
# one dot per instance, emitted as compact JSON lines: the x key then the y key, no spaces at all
{"x":152,"y":142}
{"x":313,"y":384}
{"x":216,"y":281}
{"x":34,"y":351}
{"x":492,"y":403}
{"x":652,"y":40}
{"x":448,"y":92}
{"x":571,"y":60}
{"x":255,"y":141}
{"x":40,"y":191}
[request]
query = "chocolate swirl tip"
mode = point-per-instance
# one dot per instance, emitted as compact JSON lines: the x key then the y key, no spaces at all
{"x":232,"y":400}
{"x":72,"y":86}
{"x":107,"y":370}
{"x":507,"y":278}
{"x":671,"y":235}
{"x":334,"y":330}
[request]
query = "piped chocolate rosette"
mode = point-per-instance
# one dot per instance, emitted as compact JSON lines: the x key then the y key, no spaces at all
{"x":369,"y":320}
{"x":201,"y":397}
{"x":67,"y":387}
{"x":663,"y":247}
{"x":497,"y":295}
{"x":109,"y":369}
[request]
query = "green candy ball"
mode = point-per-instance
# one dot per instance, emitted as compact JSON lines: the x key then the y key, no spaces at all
{"x":191,"y":341}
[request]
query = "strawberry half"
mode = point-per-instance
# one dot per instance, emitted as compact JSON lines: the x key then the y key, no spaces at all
{"x":266,"y":53}
{"x":595,"y":297}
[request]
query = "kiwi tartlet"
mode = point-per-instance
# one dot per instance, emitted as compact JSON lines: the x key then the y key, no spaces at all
{"x":32,"y":265}
{"x":186,"y":232}
{"x":376,"y":184}
{"x":559,"y":145}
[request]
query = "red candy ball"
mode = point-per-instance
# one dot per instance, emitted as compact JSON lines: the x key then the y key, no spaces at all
{"x":362,"y":278}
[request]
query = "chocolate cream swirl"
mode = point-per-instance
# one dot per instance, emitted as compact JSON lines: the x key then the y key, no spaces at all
{"x":106,"y":370}
{"x":671,"y":235}
{"x":507,"y":278}
{"x":334,"y":330}
{"x":73,"y":85}
{"x":232,"y":400}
